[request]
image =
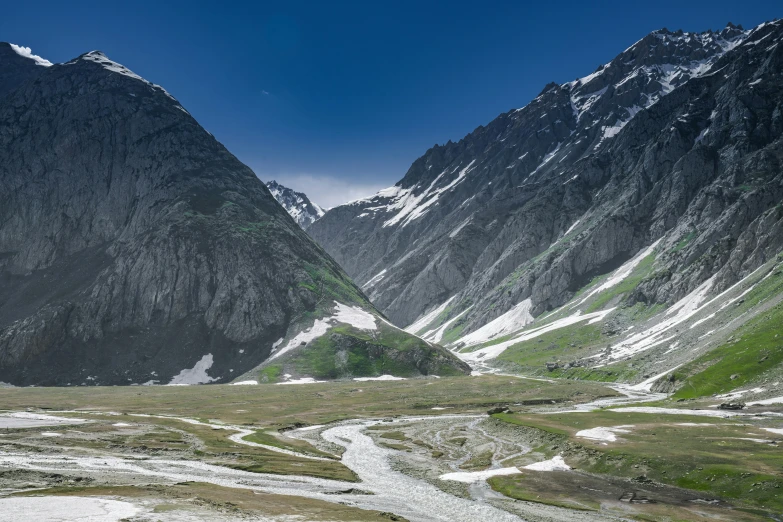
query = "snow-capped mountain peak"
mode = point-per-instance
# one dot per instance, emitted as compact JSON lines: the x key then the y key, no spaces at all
{"x":297,"y":204}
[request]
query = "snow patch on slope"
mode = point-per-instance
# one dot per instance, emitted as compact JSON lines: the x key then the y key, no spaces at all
{"x":619,"y":275}
{"x":422,"y":322}
{"x":554,"y":464}
{"x":195,"y":375}
{"x":512,"y":321}
{"x":604,"y":434}
{"x":411,"y":206}
{"x":351,"y":315}
{"x":490,"y":352}
{"x":469,"y":477}
{"x":110,"y":65}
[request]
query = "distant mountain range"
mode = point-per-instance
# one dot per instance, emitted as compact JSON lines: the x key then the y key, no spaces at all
{"x":638,"y":194}
{"x":135,"y":249}
{"x":297,"y":204}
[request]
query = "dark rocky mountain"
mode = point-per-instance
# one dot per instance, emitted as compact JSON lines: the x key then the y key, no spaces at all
{"x":297,"y":204}
{"x":134,"y":248}
{"x":674,"y":145}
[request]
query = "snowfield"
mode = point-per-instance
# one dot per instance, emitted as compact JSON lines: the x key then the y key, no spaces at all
{"x":351,"y":315}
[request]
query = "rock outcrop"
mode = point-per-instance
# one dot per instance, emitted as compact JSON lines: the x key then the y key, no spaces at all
{"x":677,"y":139}
{"x":297,"y":204}
{"x":134,"y":248}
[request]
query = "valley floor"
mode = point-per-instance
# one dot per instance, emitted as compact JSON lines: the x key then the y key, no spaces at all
{"x":418,"y":450}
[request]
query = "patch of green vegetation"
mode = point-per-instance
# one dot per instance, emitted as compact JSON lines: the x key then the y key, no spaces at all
{"x":513,"y":487}
{"x":394,"y":435}
{"x":253,"y":227}
{"x":679,"y":450}
{"x":216,"y":501}
{"x":332,"y":286}
{"x":270,"y":374}
{"x":518,"y":420}
{"x":268,"y":439}
{"x":642,"y":312}
{"x":567,"y":342}
{"x":347,"y":351}
{"x":758,"y":347}
{"x":612,"y":373}
{"x":453,"y":333}
{"x":395,"y":446}
{"x":626,"y":286}
{"x":684,"y":241}
{"x":479,"y":461}
{"x":458,"y":441}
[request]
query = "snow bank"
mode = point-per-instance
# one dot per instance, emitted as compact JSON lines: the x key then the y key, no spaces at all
{"x":676,"y":411}
{"x":554,"y":464}
{"x":648,"y":384}
{"x":424,"y":321}
{"x":604,"y":434}
{"x":619,"y":275}
{"x":689,"y":306}
{"x":477,"y":476}
{"x":779,"y":431}
{"x":377,"y":278}
{"x":435,"y":335}
{"x":23,"y":419}
{"x":513,"y":320}
{"x":411,"y":206}
{"x":766,"y":402}
{"x":351,"y":315}
{"x":65,"y":509}
{"x":381,"y":378}
{"x":195,"y":375}
{"x":244,"y":383}
{"x":110,"y":65}
{"x":493,"y":351}
{"x":303,"y":380}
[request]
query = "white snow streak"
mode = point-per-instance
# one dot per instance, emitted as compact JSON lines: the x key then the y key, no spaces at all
{"x":195,"y":375}
{"x":351,"y":315}
{"x":619,"y":275}
{"x":554,"y":464}
{"x":385,"y":377}
{"x":604,"y":434}
{"x":424,"y":321}
{"x":65,"y":509}
{"x":468,"y":477}
{"x":513,"y":320}
{"x":493,"y":351}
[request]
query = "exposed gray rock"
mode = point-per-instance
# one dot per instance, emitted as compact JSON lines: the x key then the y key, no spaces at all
{"x":678,"y":138}
{"x":133,"y":245}
{"x":297,"y":204}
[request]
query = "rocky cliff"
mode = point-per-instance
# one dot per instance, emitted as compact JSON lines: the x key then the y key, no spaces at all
{"x":297,"y":204}
{"x":673,"y":148}
{"x":134,"y":248}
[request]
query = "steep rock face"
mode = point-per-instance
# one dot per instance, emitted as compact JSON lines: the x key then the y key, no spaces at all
{"x":134,"y":247}
{"x":297,"y":204}
{"x":18,"y":67}
{"x":678,"y":139}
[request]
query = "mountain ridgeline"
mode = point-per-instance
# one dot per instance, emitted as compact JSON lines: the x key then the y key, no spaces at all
{"x":672,"y":149}
{"x":135,"y":249}
{"x":297,"y":204}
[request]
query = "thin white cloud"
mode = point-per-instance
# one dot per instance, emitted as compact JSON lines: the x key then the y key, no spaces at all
{"x":28,"y":53}
{"x":327,"y":191}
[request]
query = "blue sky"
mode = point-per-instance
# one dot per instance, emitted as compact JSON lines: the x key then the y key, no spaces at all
{"x":338,"y":98}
